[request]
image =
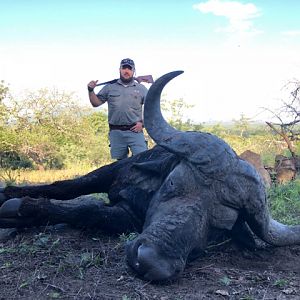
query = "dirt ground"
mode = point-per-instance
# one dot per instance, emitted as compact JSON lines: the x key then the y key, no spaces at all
{"x":64,"y":263}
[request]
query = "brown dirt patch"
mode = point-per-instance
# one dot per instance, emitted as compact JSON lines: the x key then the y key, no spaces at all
{"x":73,"y":264}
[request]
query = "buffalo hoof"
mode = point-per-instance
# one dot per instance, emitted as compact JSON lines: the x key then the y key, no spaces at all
{"x":10,"y":208}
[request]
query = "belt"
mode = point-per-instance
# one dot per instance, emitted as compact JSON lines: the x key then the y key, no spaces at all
{"x":120,"y":127}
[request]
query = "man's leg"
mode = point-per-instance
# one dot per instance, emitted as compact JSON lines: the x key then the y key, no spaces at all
{"x":118,"y":144}
{"x":136,"y":142}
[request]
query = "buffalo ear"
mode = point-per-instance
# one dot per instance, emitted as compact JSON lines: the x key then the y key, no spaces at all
{"x":149,"y":166}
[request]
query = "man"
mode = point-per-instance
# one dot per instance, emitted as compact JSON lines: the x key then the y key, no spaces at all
{"x":125,"y":99}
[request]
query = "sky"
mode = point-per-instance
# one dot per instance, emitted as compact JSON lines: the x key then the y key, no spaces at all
{"x":237,"y":56}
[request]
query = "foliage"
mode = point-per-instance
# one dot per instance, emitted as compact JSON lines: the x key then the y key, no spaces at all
{"x":176,"y":112}
{"x":48,"y":129}
{"x":284,"y":202}
{"x":4,"y":90}
{"x":128,"y":237}
{"x":287,"y":125}
{"x":242,"y":125}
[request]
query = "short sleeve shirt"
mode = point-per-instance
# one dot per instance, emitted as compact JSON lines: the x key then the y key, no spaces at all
{"x":125,"y":102}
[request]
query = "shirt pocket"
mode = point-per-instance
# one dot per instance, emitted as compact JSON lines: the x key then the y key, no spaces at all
{"x":114,"y":99}
{"x":114,"y":95}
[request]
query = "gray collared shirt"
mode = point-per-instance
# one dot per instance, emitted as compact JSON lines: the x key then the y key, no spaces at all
{"x":124,"y":102}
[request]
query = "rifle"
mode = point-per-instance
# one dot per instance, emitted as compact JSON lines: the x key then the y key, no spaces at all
{"x":139,"y":79}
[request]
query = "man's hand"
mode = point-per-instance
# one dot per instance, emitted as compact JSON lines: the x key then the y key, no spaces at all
{"x":91,"y":85}
{"x":95,"y":101}
{"x":138,"y":127}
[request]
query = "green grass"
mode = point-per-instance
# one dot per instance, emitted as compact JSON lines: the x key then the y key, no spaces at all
{"x":284,"y":202}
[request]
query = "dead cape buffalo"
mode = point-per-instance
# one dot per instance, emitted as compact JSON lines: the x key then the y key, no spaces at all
{"x":179,"y":196}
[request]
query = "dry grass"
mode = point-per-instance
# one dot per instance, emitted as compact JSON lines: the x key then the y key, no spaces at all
{"x":37,"y":176}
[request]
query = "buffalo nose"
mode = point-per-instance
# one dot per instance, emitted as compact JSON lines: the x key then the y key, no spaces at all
{"x":153,"y":266}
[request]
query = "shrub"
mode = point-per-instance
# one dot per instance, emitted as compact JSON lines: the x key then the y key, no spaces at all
{"x":284,"y":202}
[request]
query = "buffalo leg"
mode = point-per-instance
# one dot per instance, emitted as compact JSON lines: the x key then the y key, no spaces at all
{"x":97,"y":181}
{"x":82,"y":212}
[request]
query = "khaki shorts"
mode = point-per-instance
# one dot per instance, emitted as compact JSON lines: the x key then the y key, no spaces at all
{"x":123,"y":141}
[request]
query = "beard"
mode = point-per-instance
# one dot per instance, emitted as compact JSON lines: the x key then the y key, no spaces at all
{"x":126,"y":80}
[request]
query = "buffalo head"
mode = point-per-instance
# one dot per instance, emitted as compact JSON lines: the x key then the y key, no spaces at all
{"x":210,"y":189}
{"x":177,"y":222}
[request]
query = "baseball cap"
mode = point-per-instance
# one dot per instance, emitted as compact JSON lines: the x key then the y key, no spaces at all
{"x":127,"y":62}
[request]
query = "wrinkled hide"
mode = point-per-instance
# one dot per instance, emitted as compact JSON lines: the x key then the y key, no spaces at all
{"x":180,"y":196}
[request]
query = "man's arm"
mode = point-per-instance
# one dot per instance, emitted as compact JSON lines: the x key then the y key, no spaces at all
{"x":95,"y":101}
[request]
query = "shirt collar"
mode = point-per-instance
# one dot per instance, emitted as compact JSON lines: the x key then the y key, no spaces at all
{"x":132,"y":83}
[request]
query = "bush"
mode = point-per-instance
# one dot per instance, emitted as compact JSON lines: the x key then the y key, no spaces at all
{"x":13,"y":160}
{"x":284,"y":202}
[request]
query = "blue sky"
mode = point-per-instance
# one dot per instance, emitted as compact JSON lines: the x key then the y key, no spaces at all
{"x":237,"y":55}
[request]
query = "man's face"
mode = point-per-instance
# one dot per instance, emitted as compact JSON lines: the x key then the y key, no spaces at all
{"x":126,"y":73}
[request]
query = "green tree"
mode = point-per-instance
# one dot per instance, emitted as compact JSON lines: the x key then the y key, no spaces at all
{"x":287,"y":126}
{"x":217,"y":129}
{"x":4,"y":90}
{"x":242,"y":125}
{"x":53,"y":130}
{"x":10,"y":156}
{"x":176,"y":112}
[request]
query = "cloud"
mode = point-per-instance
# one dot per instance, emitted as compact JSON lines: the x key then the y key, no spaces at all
{"x":239,"y":15}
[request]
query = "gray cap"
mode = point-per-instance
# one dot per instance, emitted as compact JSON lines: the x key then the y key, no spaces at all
{"x":127,"y":62}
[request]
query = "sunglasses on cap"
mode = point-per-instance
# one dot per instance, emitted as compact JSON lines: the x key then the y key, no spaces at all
{"x":123,"y":67}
